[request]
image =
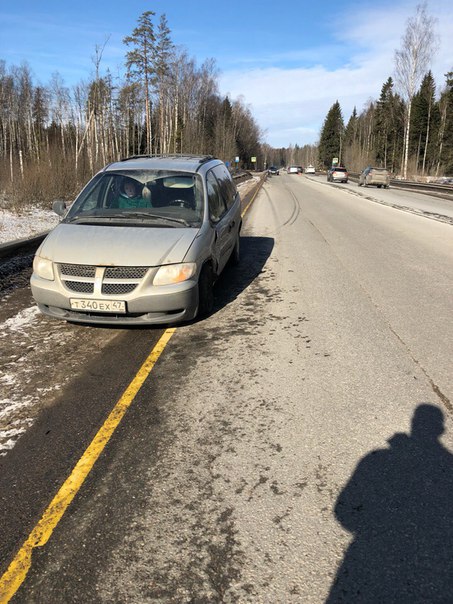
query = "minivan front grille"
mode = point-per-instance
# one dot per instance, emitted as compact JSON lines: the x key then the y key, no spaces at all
{"x":115,"y":289}
{"x":110,"y":280}
{"x":80,"y":287}
{"x":125,"y":272}
{"x":77,"y":270}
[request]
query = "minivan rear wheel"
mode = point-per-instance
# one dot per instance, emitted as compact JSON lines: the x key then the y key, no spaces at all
{"x":205,"y":291}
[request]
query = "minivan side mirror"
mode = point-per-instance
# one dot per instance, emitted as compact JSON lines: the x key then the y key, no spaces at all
{"x":59,"y":207}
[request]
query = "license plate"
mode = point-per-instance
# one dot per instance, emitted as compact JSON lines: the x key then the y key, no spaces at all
{"x":98,"y":305}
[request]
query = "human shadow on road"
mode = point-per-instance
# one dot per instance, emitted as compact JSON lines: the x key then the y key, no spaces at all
{"x":399,"y":507}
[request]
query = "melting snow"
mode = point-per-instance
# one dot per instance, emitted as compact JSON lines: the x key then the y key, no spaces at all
{"x":27,"y":223}
{"x":18,"y":324}
{"x":20,"y":321}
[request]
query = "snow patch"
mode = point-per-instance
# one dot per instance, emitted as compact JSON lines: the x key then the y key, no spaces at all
{"x":25,"y":223}
{"x":23,"y":319}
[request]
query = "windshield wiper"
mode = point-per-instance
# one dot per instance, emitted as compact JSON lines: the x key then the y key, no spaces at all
{"x":83,"y":218}
{"x":158,"y":217}
{"x":127,"y":215}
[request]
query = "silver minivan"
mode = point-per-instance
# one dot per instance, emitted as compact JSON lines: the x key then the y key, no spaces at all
{"x":143,"y":243}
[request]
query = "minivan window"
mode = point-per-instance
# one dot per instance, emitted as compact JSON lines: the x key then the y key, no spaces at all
{"x":217,"y":206}
{"x":227,"y":186}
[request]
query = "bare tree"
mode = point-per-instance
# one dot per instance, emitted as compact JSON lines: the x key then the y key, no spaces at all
{"x":411,"y":61}
{"x":166,"y":103}
{"x":61,"y":101}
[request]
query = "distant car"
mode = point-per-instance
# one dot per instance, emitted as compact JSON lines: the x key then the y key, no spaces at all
{"x":274,"y":170}
{"x":310,"y":170}
{"x":337,"y":174}
{"x":293,"y":170}
{"x":143,"y":243}
{"x":379,"y":177}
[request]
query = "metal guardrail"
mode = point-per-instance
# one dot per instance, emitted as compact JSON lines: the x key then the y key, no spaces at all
{"x":21,"y":246}
{"x":241,"y":176}
{"x":421,"y":186}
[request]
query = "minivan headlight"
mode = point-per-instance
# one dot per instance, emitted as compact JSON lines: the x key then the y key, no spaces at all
{"x":43,"y":268}
{"x":174,"y":273}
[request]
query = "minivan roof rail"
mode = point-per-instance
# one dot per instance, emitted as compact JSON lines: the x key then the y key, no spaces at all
{"x":201,"y":158}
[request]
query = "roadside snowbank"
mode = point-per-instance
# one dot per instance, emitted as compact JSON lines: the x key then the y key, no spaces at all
{"x":27,"y":223}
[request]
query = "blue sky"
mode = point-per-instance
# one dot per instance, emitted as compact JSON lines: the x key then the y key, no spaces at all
{"x":289,"y":62}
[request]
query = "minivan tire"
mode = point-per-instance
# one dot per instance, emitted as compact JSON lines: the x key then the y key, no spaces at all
{"x":205,"y":291}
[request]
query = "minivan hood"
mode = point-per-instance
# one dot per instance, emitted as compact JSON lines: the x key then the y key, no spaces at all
{"x":117,"y":245}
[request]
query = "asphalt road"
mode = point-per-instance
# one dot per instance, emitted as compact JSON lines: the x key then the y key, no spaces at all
{"x":293,"y":447}
{"x":407,"y":200}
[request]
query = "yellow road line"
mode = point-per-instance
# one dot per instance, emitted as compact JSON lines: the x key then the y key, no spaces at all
{"x":21,"y":564}
{"x":19,"y":567}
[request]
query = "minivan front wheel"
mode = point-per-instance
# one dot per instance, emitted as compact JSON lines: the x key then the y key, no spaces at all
{"x":205,"y":291}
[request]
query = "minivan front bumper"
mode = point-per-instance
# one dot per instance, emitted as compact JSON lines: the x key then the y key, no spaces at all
{"x":155,"y":305}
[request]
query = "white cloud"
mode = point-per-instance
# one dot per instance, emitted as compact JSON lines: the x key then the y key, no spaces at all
{"x":290,"y":104}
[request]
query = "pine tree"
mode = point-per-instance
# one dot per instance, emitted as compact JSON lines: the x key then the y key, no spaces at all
{"x":445,"y":139}
{"x":162,"y":69}
{"x":383,"y":124}
{"x":332,"y":136}
{"x":422,"y":117}
{"x":350,"y":134}
{"x":140,"y":64}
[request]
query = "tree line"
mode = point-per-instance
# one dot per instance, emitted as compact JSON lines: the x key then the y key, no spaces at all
{"x":377,"y":135}
{"x":53,"y":138}
{"x":409,"y":129}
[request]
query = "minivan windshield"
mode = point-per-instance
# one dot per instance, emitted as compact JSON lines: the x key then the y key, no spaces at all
{"x":158,"y":198}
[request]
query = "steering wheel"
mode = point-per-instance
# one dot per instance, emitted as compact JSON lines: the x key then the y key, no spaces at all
{"x":181,"y":203}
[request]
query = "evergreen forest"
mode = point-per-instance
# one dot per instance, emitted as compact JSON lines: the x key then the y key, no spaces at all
{"x":376,"y":135}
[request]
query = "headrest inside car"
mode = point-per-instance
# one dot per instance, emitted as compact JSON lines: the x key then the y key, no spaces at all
{"x":178,"y":182}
